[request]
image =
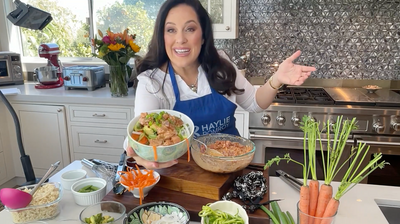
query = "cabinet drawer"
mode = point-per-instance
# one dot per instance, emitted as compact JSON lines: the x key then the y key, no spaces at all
{"x":114,"y":115}
{"x":3,"y":170}
{"x":95,"y":140}
{"x":108,"y":158}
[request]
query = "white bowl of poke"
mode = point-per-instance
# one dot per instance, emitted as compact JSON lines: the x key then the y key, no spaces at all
{"x":158,"y":212}
{"x":160,"y":135}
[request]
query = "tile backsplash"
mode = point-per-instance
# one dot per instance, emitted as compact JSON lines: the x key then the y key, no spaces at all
{"x":343,"y":39}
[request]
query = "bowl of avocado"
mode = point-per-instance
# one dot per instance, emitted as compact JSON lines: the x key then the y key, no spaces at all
{"x":103,"y":212}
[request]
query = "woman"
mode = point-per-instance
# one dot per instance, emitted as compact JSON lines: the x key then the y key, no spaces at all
{"x":183,"y":71}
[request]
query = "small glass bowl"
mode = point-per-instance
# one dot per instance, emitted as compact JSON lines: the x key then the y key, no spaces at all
{"x":110,"y":208}
{"x":32,"y":213}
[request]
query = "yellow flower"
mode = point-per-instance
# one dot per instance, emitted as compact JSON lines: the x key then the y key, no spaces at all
{"x":134,"y":46}
{"x":101,"y":54}
{"x":115,"y":47}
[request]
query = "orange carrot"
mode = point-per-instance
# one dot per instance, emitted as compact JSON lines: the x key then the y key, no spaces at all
{"x":304,"y":203}
{"x":330,"y":210}
{"x":132,"y":179}
{"x":155,"y":152}
{"x":143,"y":140}
{"x":188,"y":149}
{"x":325,"y":195}
{"x":314,"y":188}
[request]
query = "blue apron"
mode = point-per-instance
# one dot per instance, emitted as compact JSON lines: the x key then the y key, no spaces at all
{"x":212,"y":113}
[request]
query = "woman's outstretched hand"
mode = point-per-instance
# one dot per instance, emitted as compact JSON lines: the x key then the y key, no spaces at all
{"x":292,"y":74}
{"x":148,"y":164}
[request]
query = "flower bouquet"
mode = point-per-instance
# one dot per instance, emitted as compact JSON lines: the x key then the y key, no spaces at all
{"x":116,"y":49}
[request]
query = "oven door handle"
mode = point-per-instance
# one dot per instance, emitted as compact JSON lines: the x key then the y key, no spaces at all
{"x":378,"y":143}
{"x":269,"y":137}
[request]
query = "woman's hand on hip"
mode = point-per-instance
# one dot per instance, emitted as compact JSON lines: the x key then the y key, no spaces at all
{"x":293,"y":74}
{"x":148,"y":164}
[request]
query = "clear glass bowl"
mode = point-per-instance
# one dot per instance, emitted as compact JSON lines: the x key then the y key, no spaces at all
{"x":44,"y":211}
{"x":110,"y":208}
{"x":164,"y":153}
{"x":221,"y":164}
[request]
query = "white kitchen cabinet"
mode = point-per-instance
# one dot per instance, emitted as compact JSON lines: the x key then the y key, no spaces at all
{"x":6,"y":161}
{"x":44,"y":135}
{"x":3,"y":170}
{"x":98,"y":131}
{"x":242,"y":123}
{"x":224,"y":15}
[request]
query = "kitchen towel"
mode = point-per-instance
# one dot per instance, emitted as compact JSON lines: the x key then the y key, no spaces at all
{"x":10,"y":91}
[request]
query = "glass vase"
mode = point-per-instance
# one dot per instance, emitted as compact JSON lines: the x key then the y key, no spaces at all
{"x":303,"y":218}
{"x":118,"y":80}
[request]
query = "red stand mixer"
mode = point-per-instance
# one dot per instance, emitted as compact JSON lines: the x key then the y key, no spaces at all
{"x":49,"y":76}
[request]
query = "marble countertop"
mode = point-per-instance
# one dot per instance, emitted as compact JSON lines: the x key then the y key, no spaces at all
{"x":359,"y":205}
{"x":61,"y":95}
{"x":28,"y":93}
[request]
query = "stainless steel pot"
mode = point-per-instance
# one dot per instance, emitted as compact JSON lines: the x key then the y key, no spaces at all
{"x":46,"y":74}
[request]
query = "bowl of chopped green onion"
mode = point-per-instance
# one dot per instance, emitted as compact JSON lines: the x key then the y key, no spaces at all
{"x":89,"y":191}
{"x":223,"y":212}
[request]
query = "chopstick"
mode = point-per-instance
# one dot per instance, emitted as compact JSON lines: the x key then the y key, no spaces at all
{"x":255,"y":167}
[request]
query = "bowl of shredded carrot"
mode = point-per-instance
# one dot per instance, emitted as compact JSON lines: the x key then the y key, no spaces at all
{"x":222,"y":153}
{"x":160,"y":135}
{"x":139,"y":181}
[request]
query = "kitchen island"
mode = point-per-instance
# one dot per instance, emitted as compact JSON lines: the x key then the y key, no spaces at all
{"x":358,"y":206}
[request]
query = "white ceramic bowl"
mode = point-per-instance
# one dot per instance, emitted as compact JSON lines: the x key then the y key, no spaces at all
{"x":164,"y":153}
{"x":229,"y":207}
{"x":89,"y":198}
{"x":147,"y":189}
{"x":70,"y":177}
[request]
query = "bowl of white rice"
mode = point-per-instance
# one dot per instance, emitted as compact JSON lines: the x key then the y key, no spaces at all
{"x":44,"y":204}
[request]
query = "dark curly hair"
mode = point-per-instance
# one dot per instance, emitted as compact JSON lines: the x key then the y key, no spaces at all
{"x":220,"y":72}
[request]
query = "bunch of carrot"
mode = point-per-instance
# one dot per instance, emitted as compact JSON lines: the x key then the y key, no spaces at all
{"x":318,"y":201}
{"x":132,"y":179}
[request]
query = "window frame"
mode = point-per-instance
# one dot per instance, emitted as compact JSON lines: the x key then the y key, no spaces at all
{"x":10,"y":40}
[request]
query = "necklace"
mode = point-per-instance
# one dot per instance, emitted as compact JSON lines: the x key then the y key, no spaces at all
{"x":193,"y":87}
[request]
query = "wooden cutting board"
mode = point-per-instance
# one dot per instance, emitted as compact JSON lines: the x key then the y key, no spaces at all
{"x":192,"y":203}
{"x":189,"y":178}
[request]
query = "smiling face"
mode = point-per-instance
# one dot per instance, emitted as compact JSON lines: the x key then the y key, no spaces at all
{"x":183,"y":37}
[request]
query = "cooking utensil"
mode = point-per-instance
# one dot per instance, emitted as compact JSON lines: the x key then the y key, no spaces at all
{"x":118,"y":188}
{"x":14,"y":198}
{"x":100,"y":169}
{"x":289,"y":179}
{"x":46,"y":74}
{"x":209,"y":151}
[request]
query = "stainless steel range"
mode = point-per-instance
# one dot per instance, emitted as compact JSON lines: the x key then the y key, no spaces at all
{"x":276,"y":130}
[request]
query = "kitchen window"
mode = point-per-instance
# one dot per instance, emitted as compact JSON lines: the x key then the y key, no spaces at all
{"x":73,"y":19}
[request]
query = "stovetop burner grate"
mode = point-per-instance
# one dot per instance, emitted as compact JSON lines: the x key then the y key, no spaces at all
{"x":303,"y":96}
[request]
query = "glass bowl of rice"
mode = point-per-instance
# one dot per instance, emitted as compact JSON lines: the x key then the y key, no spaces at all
{"x":44,"y":204}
